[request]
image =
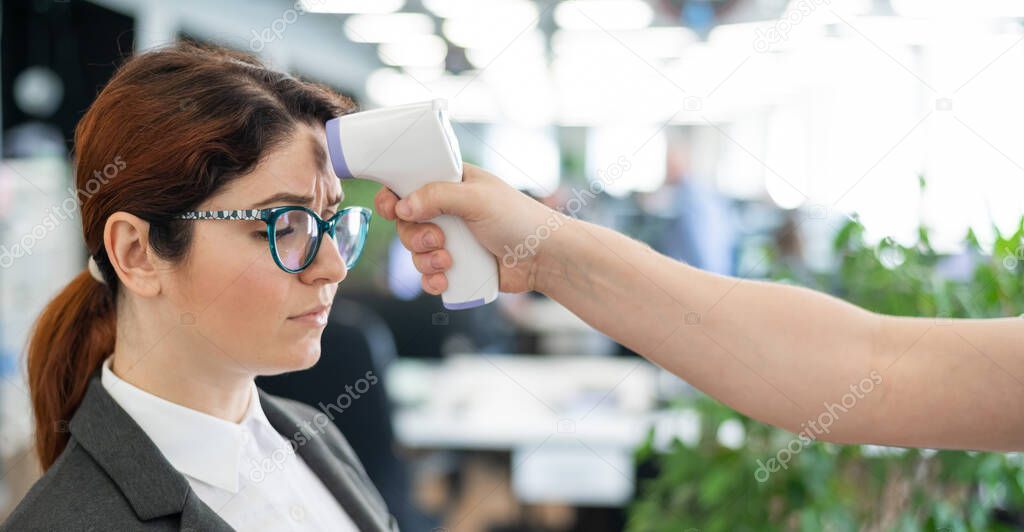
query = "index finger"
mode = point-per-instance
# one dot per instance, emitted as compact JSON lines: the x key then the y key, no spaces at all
{"x":385,"y":201}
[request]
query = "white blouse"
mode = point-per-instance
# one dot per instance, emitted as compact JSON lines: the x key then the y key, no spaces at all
{"x":246,"y":472}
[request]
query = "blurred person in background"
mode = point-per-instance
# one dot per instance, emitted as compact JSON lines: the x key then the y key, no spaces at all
{"x":205,"y":271}
{"x":702,"y":232}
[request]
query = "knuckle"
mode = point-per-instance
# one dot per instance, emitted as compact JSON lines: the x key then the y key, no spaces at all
{"x":422,"y":263}
{"x":406,"y":235}
{"x":413,"y":237}
{"x":429,"y":263}
{"x":438,"y":235}
{"x":443,"y":259}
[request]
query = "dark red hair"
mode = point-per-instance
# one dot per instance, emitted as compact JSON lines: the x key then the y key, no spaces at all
{"x":177,"y":123}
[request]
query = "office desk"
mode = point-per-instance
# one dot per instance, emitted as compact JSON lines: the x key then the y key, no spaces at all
{"x":571,"y":423}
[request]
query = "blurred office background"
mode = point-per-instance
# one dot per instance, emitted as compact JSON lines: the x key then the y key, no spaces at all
{"x":870,"y":148}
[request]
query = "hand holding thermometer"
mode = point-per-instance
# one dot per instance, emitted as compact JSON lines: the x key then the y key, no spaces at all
{"x":404,"y":148}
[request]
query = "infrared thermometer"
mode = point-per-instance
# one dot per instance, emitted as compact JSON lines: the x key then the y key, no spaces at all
{"x":405,"y":147}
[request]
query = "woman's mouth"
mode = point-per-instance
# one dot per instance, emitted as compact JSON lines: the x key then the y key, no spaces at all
{"x":314,"y":318}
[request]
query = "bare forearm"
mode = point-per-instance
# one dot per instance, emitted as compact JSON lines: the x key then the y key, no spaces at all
{"x":784,"y":355}
{"x":770,"y":351}
{"x":954,"y":384}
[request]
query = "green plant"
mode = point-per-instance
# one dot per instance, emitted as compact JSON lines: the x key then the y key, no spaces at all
{"x":372,"y":267}
{"x":708,"y":487}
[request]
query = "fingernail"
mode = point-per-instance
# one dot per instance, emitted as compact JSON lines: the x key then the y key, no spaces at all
{"x":430,"y":240}
{"x":403,"y":209}
{"x":436,"y":262}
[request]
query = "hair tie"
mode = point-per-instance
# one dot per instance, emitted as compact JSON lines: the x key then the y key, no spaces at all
{"x":94,"y":270}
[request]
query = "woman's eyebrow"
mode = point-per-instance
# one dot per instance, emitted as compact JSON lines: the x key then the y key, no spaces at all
{"x":295,"y":199}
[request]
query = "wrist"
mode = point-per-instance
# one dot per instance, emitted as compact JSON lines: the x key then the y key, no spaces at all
{"x":550,"y":265}
{"x":539,"y":276}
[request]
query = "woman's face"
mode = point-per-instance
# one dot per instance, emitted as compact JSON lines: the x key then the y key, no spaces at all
{"x":243,"y":307}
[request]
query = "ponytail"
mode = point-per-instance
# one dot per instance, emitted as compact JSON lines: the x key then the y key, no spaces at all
{"x":70,"y":339}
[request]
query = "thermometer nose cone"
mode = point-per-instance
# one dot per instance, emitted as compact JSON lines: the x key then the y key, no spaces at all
{"x":334,"y":149}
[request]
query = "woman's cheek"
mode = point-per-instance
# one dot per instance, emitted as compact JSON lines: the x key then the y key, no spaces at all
{"x":246,"y":293}
{"x":258,"y":301}
{"x":249,"y":317}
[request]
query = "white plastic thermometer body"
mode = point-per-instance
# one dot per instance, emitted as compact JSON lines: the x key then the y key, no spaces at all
{"x":404,"y":148}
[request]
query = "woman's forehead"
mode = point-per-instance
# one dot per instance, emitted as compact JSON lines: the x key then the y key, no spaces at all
{"x":299,"y":168}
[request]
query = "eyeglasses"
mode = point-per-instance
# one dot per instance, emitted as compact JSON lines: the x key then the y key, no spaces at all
{"x":295,"y":232}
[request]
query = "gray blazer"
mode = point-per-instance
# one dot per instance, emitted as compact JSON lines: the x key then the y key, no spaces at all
{"x":111,"y":476}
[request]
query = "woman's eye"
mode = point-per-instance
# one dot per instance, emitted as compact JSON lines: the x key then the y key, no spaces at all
{"x":262,"y":235}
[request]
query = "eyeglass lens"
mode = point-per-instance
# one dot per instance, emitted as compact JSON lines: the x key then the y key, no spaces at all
{"x":296,"y":236}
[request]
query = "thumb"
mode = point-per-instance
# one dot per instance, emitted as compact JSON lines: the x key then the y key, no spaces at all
{"x":434,"y":199}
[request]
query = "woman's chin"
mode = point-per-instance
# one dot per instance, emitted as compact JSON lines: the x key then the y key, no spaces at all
{"x":304,"y":357}
{"x":308,"y":357}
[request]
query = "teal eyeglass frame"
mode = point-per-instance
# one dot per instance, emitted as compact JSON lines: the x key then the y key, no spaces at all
{"x":270,"y":216}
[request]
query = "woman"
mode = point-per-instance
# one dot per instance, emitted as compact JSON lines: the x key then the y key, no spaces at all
{"x":206,"y":270}
{"x":785,"y":355}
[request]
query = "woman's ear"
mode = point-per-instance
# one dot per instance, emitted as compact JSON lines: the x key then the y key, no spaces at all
{"x":126,"y":239}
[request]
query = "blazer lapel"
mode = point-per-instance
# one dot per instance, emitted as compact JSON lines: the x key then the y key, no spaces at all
{"x":340,"y":478}
{"x":196,"y":515}
{"x":152,"y":486}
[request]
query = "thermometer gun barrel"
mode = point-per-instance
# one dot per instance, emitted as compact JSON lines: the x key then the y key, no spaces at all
{"x":404,"y":148}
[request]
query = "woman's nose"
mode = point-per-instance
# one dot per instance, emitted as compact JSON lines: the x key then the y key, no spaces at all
{"x":328,"y":265}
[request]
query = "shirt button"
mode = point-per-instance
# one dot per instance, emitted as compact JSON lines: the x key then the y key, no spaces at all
{"x":297,"y":513}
